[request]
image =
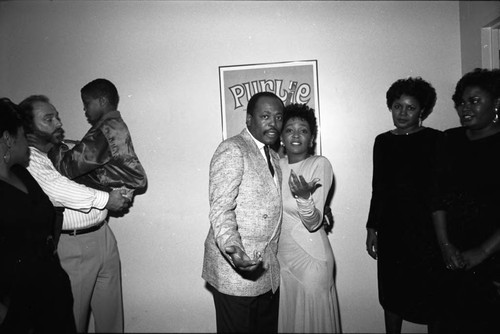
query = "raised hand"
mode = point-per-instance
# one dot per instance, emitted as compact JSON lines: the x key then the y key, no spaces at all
{"x":300,"y":187}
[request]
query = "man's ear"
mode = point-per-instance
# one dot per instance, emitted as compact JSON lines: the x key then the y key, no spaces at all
{"x":249,"y":119}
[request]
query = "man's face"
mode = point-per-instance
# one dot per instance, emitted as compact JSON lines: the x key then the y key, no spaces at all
{"x":93,"y":108}
{"x":47,"y":125}
{"x":266,"y":122}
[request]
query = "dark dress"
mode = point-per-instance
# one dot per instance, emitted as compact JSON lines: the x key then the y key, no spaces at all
{"x":32,"y":282}
{"x":468,"y":189}
{"x":400,"y":212}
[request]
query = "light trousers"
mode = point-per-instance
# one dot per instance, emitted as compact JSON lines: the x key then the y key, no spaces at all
{"x":92,"y":263}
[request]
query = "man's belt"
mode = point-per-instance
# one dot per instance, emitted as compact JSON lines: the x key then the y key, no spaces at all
{"x":84,"y":230}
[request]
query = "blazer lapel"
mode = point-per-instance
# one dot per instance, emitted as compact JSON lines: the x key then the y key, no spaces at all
{"x":275,"y":158}
{"x":260,"y":161}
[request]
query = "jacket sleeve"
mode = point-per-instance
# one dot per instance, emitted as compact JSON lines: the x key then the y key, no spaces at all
{"x":226,"y":173}
{"x":96,"y":150}
{"x":90,"y":153}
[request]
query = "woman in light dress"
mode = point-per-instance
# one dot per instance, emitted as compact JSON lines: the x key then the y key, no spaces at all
{"x":308,"y":297}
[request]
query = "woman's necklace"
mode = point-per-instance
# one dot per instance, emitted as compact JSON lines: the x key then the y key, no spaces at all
{"x":397,"y":133}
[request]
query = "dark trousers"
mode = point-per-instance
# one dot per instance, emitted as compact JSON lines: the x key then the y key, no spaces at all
{"x":236,"y":314}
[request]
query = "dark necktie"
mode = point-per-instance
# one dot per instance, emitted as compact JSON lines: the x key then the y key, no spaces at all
{"x":266,"y":150}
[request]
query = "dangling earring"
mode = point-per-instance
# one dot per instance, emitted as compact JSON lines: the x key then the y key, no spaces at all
{"x":495,"y":120}
{"x":6,"y":156}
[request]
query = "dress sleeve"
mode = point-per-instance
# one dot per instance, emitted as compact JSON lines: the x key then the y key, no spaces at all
{"x":377,"y":186}
{"x":311,"y":210}
{"x":440,"y":174}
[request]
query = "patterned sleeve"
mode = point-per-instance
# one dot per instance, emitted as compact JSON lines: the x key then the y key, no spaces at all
{"x":226,"y":173}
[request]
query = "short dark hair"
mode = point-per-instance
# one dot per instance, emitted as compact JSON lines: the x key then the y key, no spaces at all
{"x":26,"y":111}
{"x":487,"y":80}
{"x":302,"y":111}
{"x":255,"y":98}
{"x":10,"y":120}
{"x":417,"y":88}
{"x":102,"y":88}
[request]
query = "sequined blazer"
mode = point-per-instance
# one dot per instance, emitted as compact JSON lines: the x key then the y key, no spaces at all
{"x":245,"y":211}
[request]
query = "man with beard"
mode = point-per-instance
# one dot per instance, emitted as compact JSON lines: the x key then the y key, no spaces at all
{"x":87,"y":247}
{"x":103,"y":159}
{"x":240,"y":263}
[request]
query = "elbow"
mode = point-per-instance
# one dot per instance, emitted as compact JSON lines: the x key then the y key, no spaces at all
{"x":314,"y":228}
{"x":312,"y":225}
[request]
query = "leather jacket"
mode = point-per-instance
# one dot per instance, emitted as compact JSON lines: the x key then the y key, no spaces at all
{"x":104,"y":159}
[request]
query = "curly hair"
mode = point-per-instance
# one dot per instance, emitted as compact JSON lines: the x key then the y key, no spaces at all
{"x":10,"y":120}
{"x":417,"y":88}
{"x":302,"y":111}
{"x":487,"y":80}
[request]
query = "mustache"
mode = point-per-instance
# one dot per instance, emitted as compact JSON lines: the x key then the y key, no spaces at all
{"x":59,"y":131}
{"x":272,"y":128}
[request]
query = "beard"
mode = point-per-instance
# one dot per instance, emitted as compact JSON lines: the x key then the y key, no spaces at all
{"x":55,"y":137}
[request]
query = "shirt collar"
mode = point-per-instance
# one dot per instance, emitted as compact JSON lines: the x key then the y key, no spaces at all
{"x":259,"y":144}
{"x":36,"y":151}
{"x":108,"y":115}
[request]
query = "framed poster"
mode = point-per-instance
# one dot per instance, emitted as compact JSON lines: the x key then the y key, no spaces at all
{"x":292,"y":82}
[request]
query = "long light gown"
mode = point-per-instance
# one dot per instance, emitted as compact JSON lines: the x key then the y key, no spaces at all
{"x":308,"y":297}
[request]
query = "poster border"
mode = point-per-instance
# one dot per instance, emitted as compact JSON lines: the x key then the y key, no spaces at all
{"x":313,"y":62}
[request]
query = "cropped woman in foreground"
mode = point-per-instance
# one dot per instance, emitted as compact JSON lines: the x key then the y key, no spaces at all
{"x":35,"y":292}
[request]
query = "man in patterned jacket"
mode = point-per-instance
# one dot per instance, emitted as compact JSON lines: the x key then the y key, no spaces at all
{"x":240,"y":263}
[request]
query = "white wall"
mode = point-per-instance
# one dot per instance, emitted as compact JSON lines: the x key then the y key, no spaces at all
{"x":164,"y":57}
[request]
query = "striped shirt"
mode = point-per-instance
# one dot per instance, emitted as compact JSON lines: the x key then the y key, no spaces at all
{"x":84,"y":206}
